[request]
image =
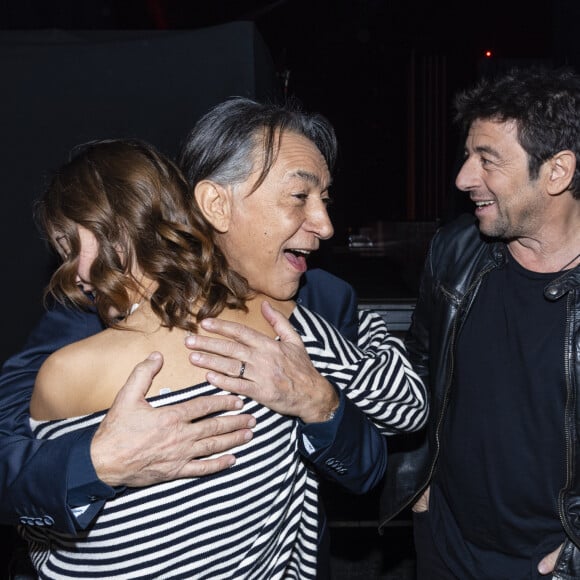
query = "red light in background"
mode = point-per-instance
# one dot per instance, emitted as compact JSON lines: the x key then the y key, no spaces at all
{"x":488,"y":54}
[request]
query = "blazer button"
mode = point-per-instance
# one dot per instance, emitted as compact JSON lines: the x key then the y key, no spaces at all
{"x":41,"y":522}
{"x":336,"y":465}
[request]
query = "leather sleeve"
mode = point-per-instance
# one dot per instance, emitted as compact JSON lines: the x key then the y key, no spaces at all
{"x":568,"y":564}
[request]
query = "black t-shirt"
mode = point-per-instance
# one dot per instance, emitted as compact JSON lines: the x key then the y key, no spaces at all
{"x":494,"y":498}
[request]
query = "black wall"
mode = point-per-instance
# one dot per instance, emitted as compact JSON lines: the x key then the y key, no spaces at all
{"x":60,"y":89}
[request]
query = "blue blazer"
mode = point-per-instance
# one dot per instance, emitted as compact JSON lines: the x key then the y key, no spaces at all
{"x":42,"y":480}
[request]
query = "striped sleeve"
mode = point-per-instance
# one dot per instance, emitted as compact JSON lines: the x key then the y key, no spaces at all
{"x":375,"y":373}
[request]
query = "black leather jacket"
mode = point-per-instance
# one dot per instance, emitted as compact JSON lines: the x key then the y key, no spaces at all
{"x":458,"y":259}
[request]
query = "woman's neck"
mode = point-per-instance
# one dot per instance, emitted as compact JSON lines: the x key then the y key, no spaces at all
{"x":143,"y":319}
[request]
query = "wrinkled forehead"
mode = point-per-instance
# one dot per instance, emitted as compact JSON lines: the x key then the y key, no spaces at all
{"x":301,"y":155}
{"x":289,"y":155}
{"x":487,"y":132}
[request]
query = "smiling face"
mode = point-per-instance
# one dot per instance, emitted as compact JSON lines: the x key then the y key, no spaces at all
{"x":273,"y":229}
{"x":495,"y":174}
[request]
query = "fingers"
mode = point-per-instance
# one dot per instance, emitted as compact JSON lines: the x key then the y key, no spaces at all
{"x":245,"y":344}
{"x":422,"y":504}
{"x":218,"y":346}
{"x":212,"y":437}
{"x":212,"y":446}
{"x":220,"y":355}
{"x":202,"y":407}
{"x":204,"y":453}
{"x":546,"y":566}
{"x":278,"y":322}
{"x":140,"y":379}
{"x":142,"y":445}
{"x":240,"y":333}
{"x":236,"y":385}
{"x":137,"y":444}
{"x":219,"y":364}
{"x":191,"y":449}
{"x":201,"y":467}
{"x":201,"y":430}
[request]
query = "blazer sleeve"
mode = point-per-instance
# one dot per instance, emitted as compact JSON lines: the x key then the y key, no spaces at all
{"x":41,"y":480}
{"x":349,"y":449}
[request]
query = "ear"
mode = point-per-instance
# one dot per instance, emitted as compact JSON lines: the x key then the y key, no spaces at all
{"x":214,"y":200}
{"x":562,"y":168}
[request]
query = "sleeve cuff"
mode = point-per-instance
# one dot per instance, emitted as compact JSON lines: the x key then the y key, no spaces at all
{"x":317,"y":436}
{"x":84,"y":486}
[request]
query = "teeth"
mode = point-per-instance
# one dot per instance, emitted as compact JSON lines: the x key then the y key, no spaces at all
{"x":303,"y":252}
{"x":482,"y":203}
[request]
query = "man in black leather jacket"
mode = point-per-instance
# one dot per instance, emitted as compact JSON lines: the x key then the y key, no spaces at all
{"x":494,"y":485}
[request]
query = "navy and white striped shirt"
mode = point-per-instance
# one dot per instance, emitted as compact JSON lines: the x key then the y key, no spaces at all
{"x":256,"y":520}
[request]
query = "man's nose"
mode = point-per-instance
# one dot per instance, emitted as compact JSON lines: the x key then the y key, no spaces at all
{"x":319,"y":222}
{"x":468,"y":176}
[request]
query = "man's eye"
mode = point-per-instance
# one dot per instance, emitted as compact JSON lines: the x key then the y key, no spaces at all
{"x":327,"y":201}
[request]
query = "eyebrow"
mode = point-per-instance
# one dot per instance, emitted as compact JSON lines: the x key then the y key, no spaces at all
{"x":488,"y":150}
{"x":309,"y":177}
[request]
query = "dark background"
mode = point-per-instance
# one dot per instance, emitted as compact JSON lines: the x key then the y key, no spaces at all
{"x":353,"y":60}
{"x":383,"y":72}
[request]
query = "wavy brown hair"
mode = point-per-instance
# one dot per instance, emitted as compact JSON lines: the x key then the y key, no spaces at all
{"x":142,"y":212}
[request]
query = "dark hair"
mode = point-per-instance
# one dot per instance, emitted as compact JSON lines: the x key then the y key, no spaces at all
{"x":227,"y":142}
{"x":544,"y":103}
{"x":141,"y":210}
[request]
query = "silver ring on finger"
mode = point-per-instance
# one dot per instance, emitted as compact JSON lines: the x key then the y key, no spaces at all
{"x":242,"y":369}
